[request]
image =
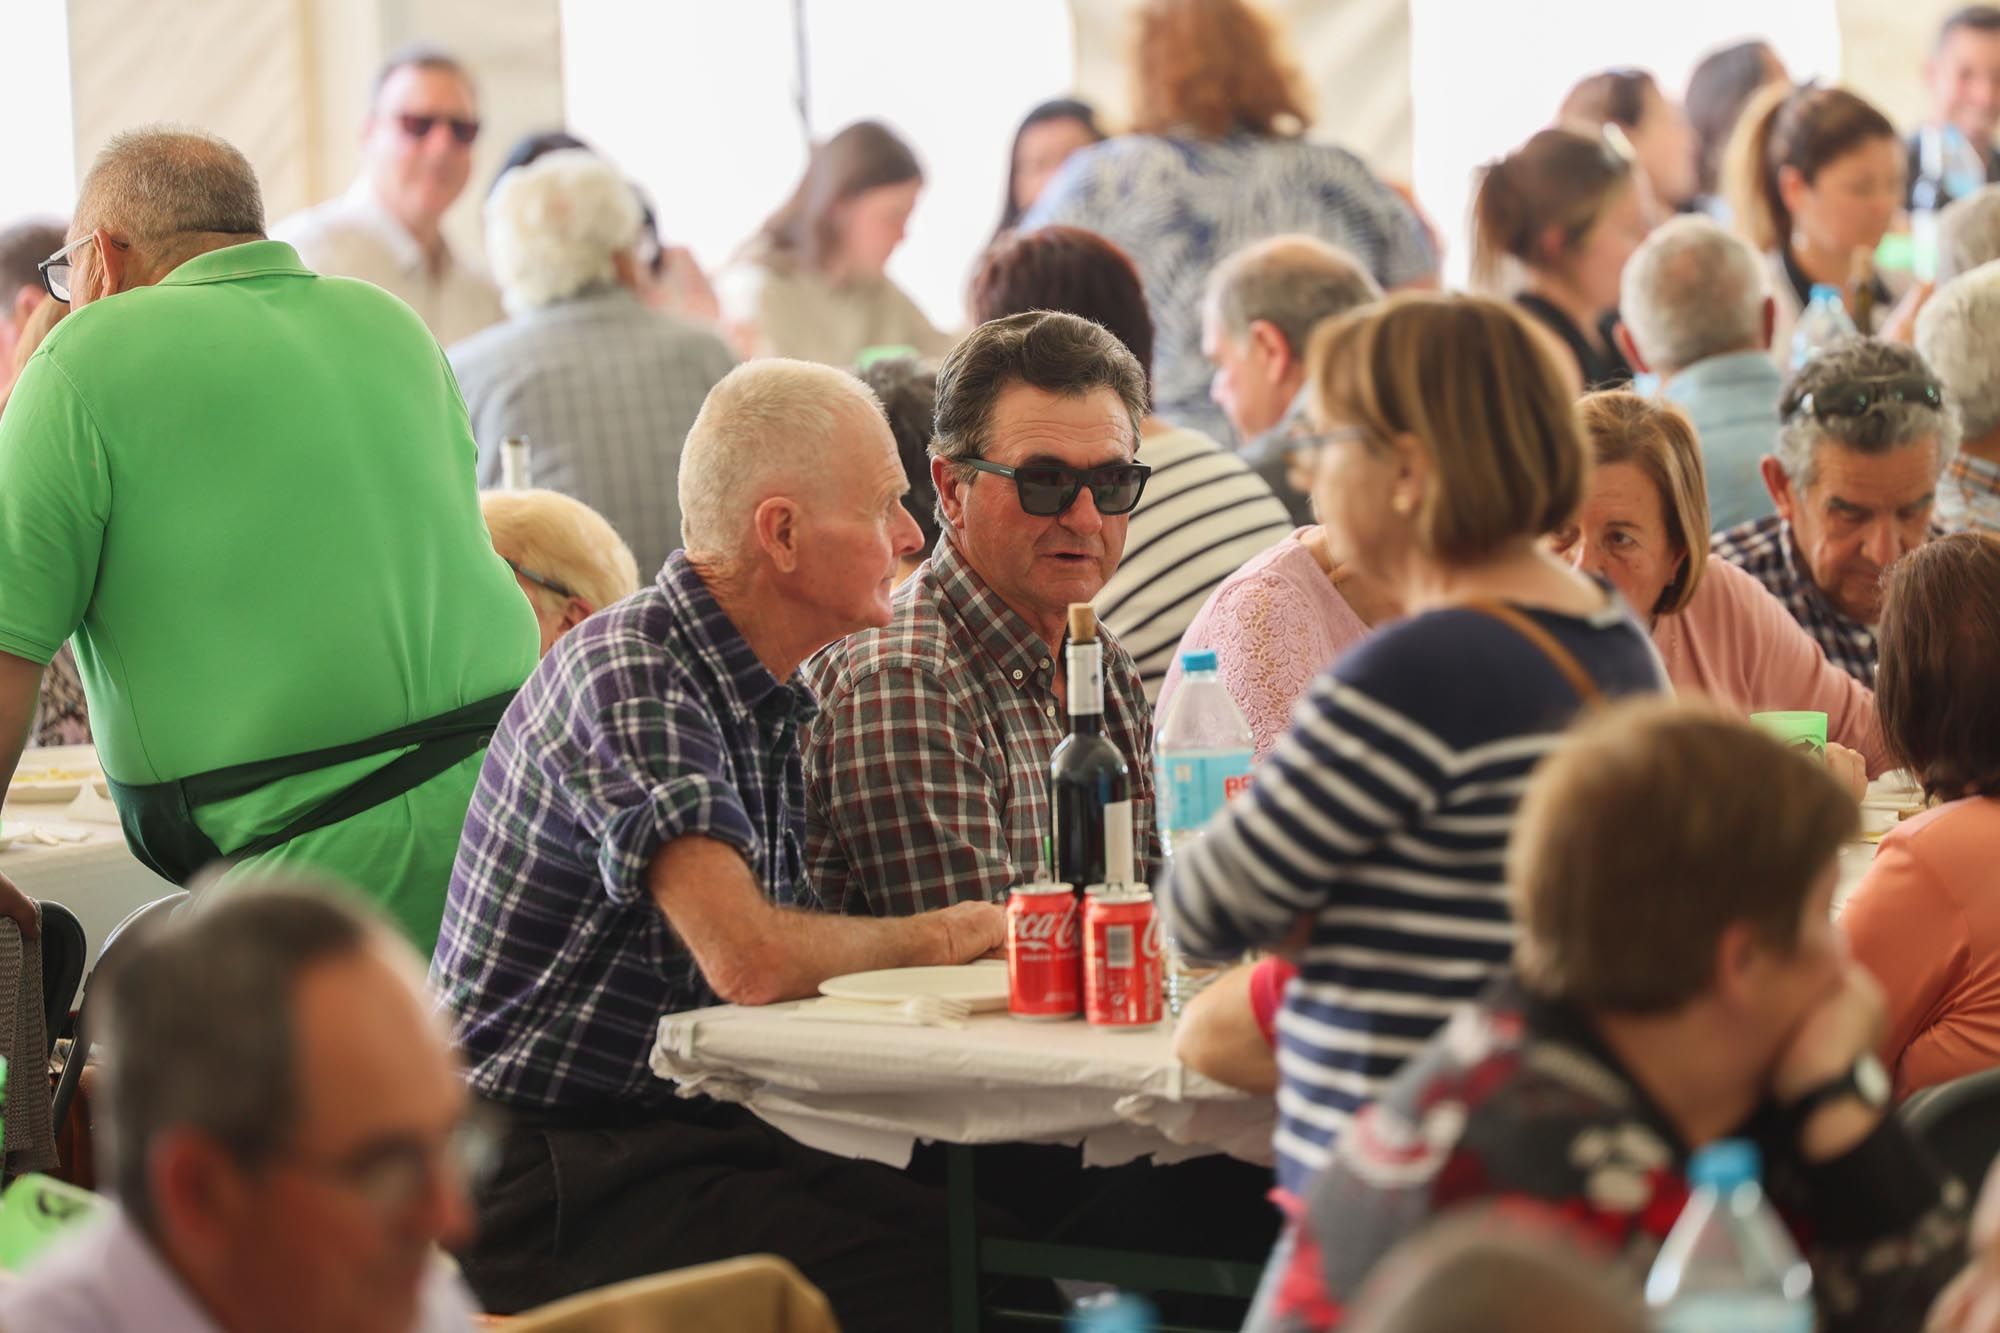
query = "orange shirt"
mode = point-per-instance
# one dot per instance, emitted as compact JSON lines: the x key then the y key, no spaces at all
{"x":1926,"y":922}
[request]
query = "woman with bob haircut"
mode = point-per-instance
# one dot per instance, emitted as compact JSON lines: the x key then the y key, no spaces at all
{"x":1643,"y":527}
{"x":1215,"y":160}
{"x":812,"y":284}
{"x":1926,"y":919}
{"x":1447,"y":444}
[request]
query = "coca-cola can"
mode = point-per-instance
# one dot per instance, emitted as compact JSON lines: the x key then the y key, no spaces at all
{"x":1123,"y":971}
{"x":1044,"y":957}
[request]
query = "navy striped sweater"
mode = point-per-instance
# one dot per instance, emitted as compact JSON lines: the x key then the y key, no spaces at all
{"x":1384,"y":813}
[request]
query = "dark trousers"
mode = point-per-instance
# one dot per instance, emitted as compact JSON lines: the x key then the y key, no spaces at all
{"x":576,"y":1204}
{"x":573,"y":1206}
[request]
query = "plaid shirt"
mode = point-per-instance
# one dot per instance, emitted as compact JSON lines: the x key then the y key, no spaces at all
{"x":605,"y":390}
{"x":650,"y":721}
{"x":1521,"y":1106}
{"x":1764,"y":549}
{"x":1968,"y":496}
{"x":929,"y":760}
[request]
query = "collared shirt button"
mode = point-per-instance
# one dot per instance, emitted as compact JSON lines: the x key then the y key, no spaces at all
{"x":1045,"y":664}
{"x":1017,"y":673}
{"x":1052,"y":710}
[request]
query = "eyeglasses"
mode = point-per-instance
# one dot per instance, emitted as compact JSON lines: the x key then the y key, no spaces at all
{"x":542,"y":580}
{"x":420,"y":127}
{"x":1302,"y":447}
{"x":55,"y":270}
{"x":1854,"y":398}
{"x":1048,"y":489}
{"x":393,"y":1175}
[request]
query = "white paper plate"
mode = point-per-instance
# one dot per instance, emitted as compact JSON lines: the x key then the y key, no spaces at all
{"x":31,"y":790}
{"x":34,"y":779}
{"x":981,"y":985}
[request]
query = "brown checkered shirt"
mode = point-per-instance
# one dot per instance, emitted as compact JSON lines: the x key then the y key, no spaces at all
{"x":927,"y":768}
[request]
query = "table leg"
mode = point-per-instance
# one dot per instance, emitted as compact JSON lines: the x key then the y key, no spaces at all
{"x":963,"y":1239}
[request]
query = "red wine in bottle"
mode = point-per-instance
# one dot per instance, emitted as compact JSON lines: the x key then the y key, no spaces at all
{"x":1090,"y":785}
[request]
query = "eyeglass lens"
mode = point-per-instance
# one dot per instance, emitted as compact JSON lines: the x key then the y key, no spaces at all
{"x":1048,"y":491}
{"x":419,"y":127}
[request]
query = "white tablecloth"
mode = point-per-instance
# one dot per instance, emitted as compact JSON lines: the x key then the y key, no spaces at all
{"x":864,"y":1090}
{"x":97,"y":877}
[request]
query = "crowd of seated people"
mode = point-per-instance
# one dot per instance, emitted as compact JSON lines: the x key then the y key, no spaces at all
{"x":753,"y":681}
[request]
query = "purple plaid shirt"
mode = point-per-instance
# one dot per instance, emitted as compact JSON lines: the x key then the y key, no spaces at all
{"x":1763,"y":548}
{"x":650,"y":721}
{"x":929,"y":760}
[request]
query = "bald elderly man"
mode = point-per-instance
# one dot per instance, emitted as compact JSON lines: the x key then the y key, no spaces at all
{"x":636,"y":848}
{"x":245,"y":493}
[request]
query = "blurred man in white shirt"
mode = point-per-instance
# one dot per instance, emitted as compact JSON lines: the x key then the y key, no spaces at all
{"x":416,"y":155}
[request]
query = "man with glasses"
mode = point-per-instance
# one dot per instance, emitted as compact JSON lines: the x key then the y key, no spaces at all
{"x":287,"y":1135}
{"x":244,"y":493}
{"x":416,"y":156}
{"x":1866,"y":434}
{"x":927,"y":767}
{"x":567,"y":559}
{"x":1261,"y":307}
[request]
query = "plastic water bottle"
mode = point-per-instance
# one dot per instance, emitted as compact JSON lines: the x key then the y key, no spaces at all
{"x":1824,"y":320}
{"x":1729,"y":1265}
{"x":1201,"y":760}
{"x":1112,"y":1312}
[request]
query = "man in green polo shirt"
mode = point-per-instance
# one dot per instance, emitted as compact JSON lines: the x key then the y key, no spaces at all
{"x":248,"y":492}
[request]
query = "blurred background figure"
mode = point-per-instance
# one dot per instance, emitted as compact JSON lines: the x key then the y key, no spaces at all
{"x":1048,"y":136}
{"x":907,"y":387}
{"x":1217,"y":152}
{"x":1718,"y":90}
{"x":1968,"y":233}
{"x":416,"y":156}
{"x":813,"y":284}
{"x":1663,"y":142}
{"x":603,"y":387}
{"x":567,"y":559}
{"x":22,"y":247}
{"x":1553,"y":223}
{"x":1958,"y":335}
{"x":1962,"y":84}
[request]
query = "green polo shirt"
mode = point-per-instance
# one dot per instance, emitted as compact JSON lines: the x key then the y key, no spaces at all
{"x":248,"y":492}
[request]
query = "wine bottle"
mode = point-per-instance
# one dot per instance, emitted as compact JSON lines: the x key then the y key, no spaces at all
{"x":1090,"y":785}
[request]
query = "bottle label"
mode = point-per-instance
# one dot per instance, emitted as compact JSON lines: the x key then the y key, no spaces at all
{"x":1086,"y":679}
{"x":1118,"y":867}
{"x":1192,"y":787}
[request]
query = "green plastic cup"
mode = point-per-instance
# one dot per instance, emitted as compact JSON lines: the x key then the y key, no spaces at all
{"x":1802,"y":731}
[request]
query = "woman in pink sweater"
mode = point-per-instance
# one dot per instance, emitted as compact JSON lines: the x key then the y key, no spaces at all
{"x":1644,"y":527}
{"x":1926,"y":919}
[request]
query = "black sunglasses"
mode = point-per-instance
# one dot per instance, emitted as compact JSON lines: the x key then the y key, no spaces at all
{"x":419,"y":127}
{"x":1048,"y":489}
{"x":542,"y":580}
{"x":1854,"y":398}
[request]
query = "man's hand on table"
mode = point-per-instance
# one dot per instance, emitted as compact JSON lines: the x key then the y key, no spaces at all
{"x":971,"y":930}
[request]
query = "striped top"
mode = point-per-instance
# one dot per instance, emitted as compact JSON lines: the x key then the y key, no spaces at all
{"x":1204,"y":514}
{"x":1384,"y":813}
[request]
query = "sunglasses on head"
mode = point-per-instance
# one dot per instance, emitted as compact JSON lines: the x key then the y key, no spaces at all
{"x":420,"y":127}
{"x":1048,"y":489}
{"x":1854,"y":398}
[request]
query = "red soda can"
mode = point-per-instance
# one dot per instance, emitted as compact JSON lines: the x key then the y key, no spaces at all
{"x":1044,"y":961}
{"x":1122,"y":970}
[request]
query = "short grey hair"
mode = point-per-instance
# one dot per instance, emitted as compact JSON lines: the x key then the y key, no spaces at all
{"x":201,"y":1020}
{"x":165,"y":181}
{"x":766,"y":425}
{"x":1692,"y":291}
{"x":1289,"y":282}
{"x":1968,"y":233}
{"x":554,"y":225}
{"x":1958,"y":333}
{"x":1880,"y":430}
{"x":1057,"y":353}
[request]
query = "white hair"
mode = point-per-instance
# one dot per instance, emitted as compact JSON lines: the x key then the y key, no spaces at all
{"x":553,"y":226}
{"x":769,"y":425}
{"x":1692,"y":291}
{"x":1958,"y":334}
{"x":1968,"y":233}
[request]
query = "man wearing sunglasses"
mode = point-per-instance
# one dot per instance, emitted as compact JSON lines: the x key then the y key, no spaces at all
{"x":1866,"y":433}
{"x":288,"y":1135}
{"x":416,"y":156}
{"x":927,"y":768}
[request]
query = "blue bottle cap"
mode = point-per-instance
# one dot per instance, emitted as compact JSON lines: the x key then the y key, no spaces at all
{"x":1823,"y":291}
{"x":1198,"y":659}
{"x":1726,"y":1164}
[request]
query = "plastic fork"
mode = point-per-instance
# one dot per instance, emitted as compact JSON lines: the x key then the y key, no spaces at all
{"x":937,"y":1010}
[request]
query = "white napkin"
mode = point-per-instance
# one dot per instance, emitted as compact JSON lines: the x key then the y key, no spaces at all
{"x":829,"y":1010}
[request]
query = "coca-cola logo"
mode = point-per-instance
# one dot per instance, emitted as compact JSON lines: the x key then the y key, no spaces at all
{"x":1038,"y":932}
{"x":1149,"y":943}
